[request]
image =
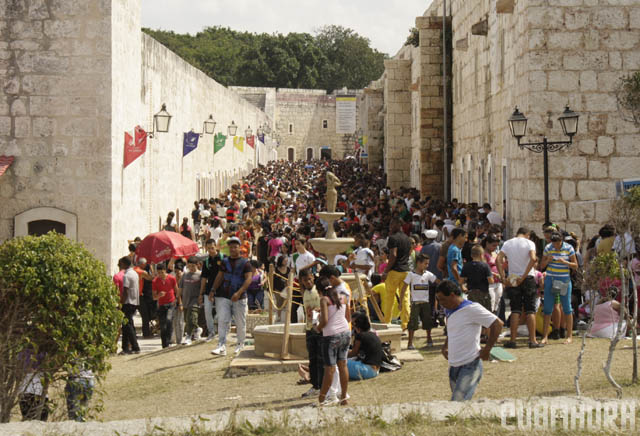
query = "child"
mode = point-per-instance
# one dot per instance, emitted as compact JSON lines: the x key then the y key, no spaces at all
{"x":255,"y":291}
{"x":419,"y":281}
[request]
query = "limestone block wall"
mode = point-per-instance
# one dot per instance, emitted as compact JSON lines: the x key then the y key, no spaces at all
{"x":55,"y":112}
{"x":397,"y":122}
{"x":370,"y":108}
{"x":77,"y":75}
{"x":540,"y":56}
{"x":299,"y":122}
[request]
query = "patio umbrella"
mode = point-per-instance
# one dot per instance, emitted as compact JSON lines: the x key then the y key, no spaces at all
{"x":160,"y":246}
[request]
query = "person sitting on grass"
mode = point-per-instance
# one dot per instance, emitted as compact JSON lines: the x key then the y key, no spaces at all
{"x":419,"y":281}
{"x":366,"y":345}
{"x":465,"y":319}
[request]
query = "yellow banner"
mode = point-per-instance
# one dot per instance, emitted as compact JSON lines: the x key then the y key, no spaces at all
{"x":238,"y":142}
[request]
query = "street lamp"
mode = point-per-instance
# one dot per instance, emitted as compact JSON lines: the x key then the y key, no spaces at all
{"x":232,"y":129}
{"x":209,"y":125}
{"x":161,"y":121}
{"x":518,"y":125}
{"x":248,"y":132}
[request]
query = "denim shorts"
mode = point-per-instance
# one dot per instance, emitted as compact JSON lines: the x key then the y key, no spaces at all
{"x":335,"y":348}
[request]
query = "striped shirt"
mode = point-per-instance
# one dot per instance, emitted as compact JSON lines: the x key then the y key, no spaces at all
{"x":557,"y":269}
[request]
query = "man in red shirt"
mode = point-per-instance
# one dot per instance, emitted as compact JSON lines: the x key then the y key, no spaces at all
{"x":165,"y":291}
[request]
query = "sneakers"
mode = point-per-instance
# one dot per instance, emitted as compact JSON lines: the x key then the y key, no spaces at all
{"x":411,"y":347}
{"x":510,"y":344}
{"x":186,"y":341}
{"x":311,"y":393}
{"x":210,"y":337}
{"x":239,"y":349}
{"x":328,"y":401}
{"x":220,"y":351}
{"x":197,"y":334}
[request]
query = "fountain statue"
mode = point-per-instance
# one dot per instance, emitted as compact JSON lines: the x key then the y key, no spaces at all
{"x":332,"y":192}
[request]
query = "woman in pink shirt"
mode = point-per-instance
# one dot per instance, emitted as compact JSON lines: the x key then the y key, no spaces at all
{"x":606,"y":316}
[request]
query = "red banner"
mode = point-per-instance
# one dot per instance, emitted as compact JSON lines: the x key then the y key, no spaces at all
{"x":251,"y":140}
{"x":134,"y":147}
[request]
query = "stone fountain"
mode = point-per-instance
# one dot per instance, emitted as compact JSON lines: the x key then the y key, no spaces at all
{"x":269,"y":338}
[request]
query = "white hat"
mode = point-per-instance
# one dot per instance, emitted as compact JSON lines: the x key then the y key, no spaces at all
{"x":430,"y":234}
{"x":481,"y":210}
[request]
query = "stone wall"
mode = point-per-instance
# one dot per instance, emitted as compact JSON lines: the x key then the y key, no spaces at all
{"x":370,"y":106}
{"x":55,"y":113}
{"x":76,"y":75}
{"x":397,"y":122}
{"x":300,"y":116}
{"x":542,"y":56}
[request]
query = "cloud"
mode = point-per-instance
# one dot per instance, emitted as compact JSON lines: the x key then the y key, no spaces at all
{"x":385,"y":22}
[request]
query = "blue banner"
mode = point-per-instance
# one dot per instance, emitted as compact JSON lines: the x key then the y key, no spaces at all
{"x":190,"y":142}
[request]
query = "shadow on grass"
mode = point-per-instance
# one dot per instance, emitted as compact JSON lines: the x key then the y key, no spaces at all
{"x":195,"y":362}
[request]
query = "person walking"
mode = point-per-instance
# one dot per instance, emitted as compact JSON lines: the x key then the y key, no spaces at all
{"x":230,"y":293}
{"x":130,"y":300}
{"x":165,"y":292}
{"x":465,"y":320}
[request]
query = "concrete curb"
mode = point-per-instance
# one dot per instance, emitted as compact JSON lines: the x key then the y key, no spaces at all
{"x":300,"y":417}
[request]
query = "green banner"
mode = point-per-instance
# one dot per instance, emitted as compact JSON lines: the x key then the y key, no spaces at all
{"x":218,"y":142}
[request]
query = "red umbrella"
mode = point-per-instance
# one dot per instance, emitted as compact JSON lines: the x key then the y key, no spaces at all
{"x":163,"y":245}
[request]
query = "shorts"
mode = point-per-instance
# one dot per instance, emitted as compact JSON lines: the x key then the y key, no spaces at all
{"x":523,"y":295}
{"x":420,"y":312}
{"x":335,"y":348}
{"x":481,"y":297}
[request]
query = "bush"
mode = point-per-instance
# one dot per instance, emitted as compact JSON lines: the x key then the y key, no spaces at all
{"x":58,"y":304}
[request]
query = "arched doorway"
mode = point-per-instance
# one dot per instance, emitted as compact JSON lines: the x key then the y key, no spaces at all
{"x":309,"y":153}
{"x":325,"y":153}
{"x":291,"y":154}
{"x":41,"y":220}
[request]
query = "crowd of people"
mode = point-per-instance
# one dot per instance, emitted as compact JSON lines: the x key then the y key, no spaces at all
{"x":427,"y":263}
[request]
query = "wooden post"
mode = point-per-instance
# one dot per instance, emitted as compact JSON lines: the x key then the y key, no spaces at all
{"x":159,"y":223}
{"x":376,"y":307}
{"x":272,"y":270}
{"x":287,"y":322}
{"x":178,"y":219}
{"x":363,"y":297}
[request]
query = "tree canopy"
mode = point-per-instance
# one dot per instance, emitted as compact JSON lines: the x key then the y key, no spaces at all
{"x":333,"y":58}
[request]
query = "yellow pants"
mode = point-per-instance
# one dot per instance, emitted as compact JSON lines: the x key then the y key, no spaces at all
{"x":381,"y":290}
{"x":393,"y":284}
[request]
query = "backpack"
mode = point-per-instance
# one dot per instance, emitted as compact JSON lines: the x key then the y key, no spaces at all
{"x":389,"y":361}
{"x":233,"y":277}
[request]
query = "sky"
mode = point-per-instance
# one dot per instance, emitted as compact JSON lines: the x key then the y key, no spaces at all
{"x":385,"y":22}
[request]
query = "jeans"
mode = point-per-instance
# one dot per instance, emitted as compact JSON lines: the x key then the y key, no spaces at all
{"x":178,"y":325}
{"x":314,"y":349}
{"x":191,"y":318}
{"x":148,"y":309}
{"x":129,"y":341}
{"x":335,"y":348}
{"x":464,"y":380}
{"x":359,"y":370}
{"x":550,"y":297}
{"x":208,"y":315}
{"x":227,"y":309}
{"x":78,"y":392}
{"x":165,"y":314}
{"x":255,"y":300}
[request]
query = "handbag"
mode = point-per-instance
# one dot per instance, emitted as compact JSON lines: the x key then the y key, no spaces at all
{"x":560,"y":287}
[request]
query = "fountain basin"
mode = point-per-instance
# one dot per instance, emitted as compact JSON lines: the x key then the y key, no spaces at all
{"x":331,"y":247}
{"x":268,"y":338}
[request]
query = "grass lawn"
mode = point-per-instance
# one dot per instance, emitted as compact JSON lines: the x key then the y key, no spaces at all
{"x":189,"y":380}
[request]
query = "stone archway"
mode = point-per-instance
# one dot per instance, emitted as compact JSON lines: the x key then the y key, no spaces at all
{"x":40,"y":220}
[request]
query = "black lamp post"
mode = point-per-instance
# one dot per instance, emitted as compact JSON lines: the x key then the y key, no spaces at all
{"x":518,"y":125}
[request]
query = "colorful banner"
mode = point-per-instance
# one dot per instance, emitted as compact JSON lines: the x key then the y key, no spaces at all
{"x":261,"y":137}
{"x":219,"y":141}
{"x":251,"y":141}
{"x":190,"y":142}
{"x":238,"y":142}
{"x":134,"y":147}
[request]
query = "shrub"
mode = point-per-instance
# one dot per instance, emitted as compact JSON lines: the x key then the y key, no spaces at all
{"x":58,"y":304}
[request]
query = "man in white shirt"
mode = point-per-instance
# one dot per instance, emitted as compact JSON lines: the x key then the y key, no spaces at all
{"x":521,"y":284}
{"x":465,"y":321}
{"x":492,"y":216}
{"x":303,"y":259}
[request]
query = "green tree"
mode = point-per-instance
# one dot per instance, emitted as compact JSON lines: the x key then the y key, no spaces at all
{"x":336,"y":57}
{"x":59,"y":304}
{"x":352,"y":63}
{"x":628,"y":95}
